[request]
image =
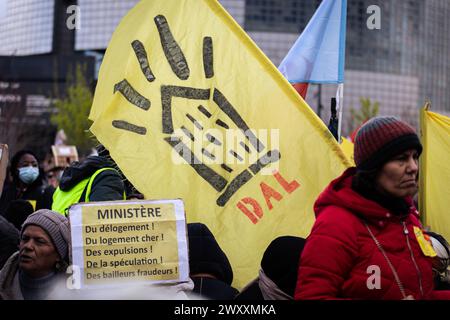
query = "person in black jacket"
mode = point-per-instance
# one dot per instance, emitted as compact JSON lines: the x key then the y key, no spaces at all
{"x":100,"y":179}
{"x":27,"y":183}
{"x":18,"y":211}
{"x":9,"y":240}
{"x":209,"y":266}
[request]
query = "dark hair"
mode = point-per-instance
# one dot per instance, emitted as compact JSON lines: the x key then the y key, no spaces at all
{"x":15,"y":162}
{"x":365,"y":179}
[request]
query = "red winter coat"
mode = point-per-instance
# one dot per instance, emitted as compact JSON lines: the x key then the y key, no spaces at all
{"x":340,"y":256}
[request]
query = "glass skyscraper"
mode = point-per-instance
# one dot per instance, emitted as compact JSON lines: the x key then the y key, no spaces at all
{"x":401,"y":65}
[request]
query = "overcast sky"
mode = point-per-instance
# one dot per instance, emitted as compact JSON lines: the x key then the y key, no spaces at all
{"x":2,"y":8}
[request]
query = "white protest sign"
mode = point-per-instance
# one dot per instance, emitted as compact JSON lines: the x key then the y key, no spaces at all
{"x":129,"y":242}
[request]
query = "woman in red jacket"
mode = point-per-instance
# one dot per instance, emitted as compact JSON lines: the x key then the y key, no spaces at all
{"x":367,"y":241}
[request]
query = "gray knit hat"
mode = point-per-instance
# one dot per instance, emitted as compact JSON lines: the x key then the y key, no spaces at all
{"x":57,"y":227}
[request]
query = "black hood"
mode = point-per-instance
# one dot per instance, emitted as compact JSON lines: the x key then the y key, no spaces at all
{"x":77,"y":171}
{"x":205,"y":254}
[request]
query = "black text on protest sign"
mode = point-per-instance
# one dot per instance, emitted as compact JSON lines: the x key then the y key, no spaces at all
{"x":128,"y":243}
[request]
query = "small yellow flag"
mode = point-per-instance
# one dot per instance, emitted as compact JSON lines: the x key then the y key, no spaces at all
{"x":347,"y":147}
{"x":190,"y":108}
{"x":434,"y":196}
{"x":425,"y":245}
{"x":33,"y":204}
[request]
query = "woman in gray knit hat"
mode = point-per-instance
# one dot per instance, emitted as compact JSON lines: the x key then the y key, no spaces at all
{"x":42,"y":259}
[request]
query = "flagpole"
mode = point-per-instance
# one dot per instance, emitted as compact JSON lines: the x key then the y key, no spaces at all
{"x":319,"y":101}
{"x":340,"y":106}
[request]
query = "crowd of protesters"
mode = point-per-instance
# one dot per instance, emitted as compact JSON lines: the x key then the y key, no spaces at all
{"x":366,"y":222}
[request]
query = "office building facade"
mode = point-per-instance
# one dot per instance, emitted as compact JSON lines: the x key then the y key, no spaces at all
{"x":400,"y":65}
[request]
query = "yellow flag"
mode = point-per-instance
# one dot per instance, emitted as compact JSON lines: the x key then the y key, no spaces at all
{"x":347,"y":147}
{"x":190,"y":108}
{"x":434,"y":193}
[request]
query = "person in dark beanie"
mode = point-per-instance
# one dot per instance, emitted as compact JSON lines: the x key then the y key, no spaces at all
{"x":97,"y":178}
{"x":278,"y":274}
{"x":209,"y":266}
{"x":367,"y":240}
{"x":40,"y":264}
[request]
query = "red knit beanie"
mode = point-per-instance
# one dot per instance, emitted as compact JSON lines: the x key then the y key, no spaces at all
{"x":382,"y":138}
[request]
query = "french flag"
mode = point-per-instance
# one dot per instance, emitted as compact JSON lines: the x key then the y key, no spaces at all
{"x":318,"y":55}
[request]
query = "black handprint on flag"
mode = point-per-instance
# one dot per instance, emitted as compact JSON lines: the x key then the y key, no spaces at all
{"x":211,"y":101}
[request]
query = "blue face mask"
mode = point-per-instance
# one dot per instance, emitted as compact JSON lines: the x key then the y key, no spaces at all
{"x":28,"y":174}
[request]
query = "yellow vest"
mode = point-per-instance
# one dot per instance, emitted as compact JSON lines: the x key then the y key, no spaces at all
{"x":62,"y":200}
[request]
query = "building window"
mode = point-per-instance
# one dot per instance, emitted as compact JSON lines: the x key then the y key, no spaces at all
{"x":289,"y":16}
